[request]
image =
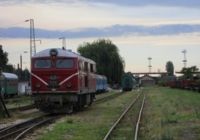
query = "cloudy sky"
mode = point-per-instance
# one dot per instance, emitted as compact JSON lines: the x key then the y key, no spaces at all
{"x":140,"y":28}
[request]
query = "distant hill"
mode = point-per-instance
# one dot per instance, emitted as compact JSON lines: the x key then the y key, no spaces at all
{"x":115,"y":30}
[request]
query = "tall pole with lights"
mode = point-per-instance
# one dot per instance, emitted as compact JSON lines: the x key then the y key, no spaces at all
{"x":149,"y":58}
{"x":32,"y":38}
{"x":32,"y":42}
{"x":184,"y":58}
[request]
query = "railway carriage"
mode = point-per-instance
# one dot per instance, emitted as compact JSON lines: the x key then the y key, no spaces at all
{"x":9,"y":84}
{"x":62,"y":80}
{"x":101,"y":83}
{"x":128,"y":82}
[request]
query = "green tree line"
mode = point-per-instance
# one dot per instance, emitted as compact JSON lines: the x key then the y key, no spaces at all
{"x":22,"y":74}
{"x":107,"y":58}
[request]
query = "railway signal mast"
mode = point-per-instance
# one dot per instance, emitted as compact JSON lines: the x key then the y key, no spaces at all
{"x":149,"y":58}
{"x":184,"y":58}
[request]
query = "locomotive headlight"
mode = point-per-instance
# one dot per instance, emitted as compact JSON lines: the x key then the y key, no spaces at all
{"x":37,"y":85}
{"x":69,"y":85}
{"x":53,"y":52}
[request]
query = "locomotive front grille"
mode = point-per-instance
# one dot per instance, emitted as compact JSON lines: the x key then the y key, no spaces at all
{"x":53,"y":82}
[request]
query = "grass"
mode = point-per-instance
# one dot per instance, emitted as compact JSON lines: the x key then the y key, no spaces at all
{"x":18,"y":102}
{"x":126,"y":128}
{"x":171,"y":114}
{"x":92,"y":123}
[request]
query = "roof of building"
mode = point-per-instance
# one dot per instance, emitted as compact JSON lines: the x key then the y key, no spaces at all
{"x":146,"y":77}
{"x":9,"y":75}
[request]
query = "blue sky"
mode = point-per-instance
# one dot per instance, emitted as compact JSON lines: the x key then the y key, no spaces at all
{"x":184,"y":3}
{"x":140,"y":28}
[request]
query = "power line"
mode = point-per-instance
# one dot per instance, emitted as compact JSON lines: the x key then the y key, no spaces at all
{"x":11,"y":25}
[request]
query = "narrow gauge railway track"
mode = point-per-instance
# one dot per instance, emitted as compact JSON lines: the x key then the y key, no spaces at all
{"x":109,"y":97}
{"x":19,"y":130}
{"x":131,"y":105}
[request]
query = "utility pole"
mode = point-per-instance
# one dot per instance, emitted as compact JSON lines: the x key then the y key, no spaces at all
{"x":20,"y":61}
{"x":32,"y":37}
{"x":32,"y":42}
{"x":149,"y":58}
{"x":63,"y":42}
{"x":184,"y":58}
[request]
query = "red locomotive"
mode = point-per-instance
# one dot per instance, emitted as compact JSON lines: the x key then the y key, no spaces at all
{"x":62,"y":80}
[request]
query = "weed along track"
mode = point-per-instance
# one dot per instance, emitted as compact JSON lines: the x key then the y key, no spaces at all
{"x":20,"y":130}
{"x":129,"y":121}
{"x":170,"y":114}
{"x":91,"y":123}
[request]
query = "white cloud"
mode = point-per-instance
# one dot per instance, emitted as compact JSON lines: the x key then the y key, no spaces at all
{"x":78,"y":15}
{"x":135,"y":50}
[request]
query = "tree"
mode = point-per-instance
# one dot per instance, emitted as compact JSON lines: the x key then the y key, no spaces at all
{"x":188,"y":72}
{"x":1,"y":105}
{"x":4,"y":58}
{"x":9,"y":68}
{"x":170,"y":68}
{"x":23,"y":75}
{"x":107,"y":58}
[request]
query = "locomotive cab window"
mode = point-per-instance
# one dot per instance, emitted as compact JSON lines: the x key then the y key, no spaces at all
{"x":64,"y":63}
{"x":80,"y":65}
{"x":42,"y":63}
{"x":91,"y":68}
{"x":86,"y":66}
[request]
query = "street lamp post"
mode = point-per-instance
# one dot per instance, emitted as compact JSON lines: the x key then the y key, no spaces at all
{"x":63,"y":42}
{"x":32,"y":42}
{"x":32,"y":37}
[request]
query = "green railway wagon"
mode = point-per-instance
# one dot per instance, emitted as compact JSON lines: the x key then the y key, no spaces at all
{"x":128,"y":82}
{"x":9,"y":84}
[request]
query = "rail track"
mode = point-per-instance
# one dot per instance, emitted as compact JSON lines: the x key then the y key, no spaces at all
{"x":17,"y":131}
{"x":109,"y":97}
{"x":22,"y":108}
{"x":32,"y":106}
{"x":20,"y":130}
{"x":124,"y":113}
